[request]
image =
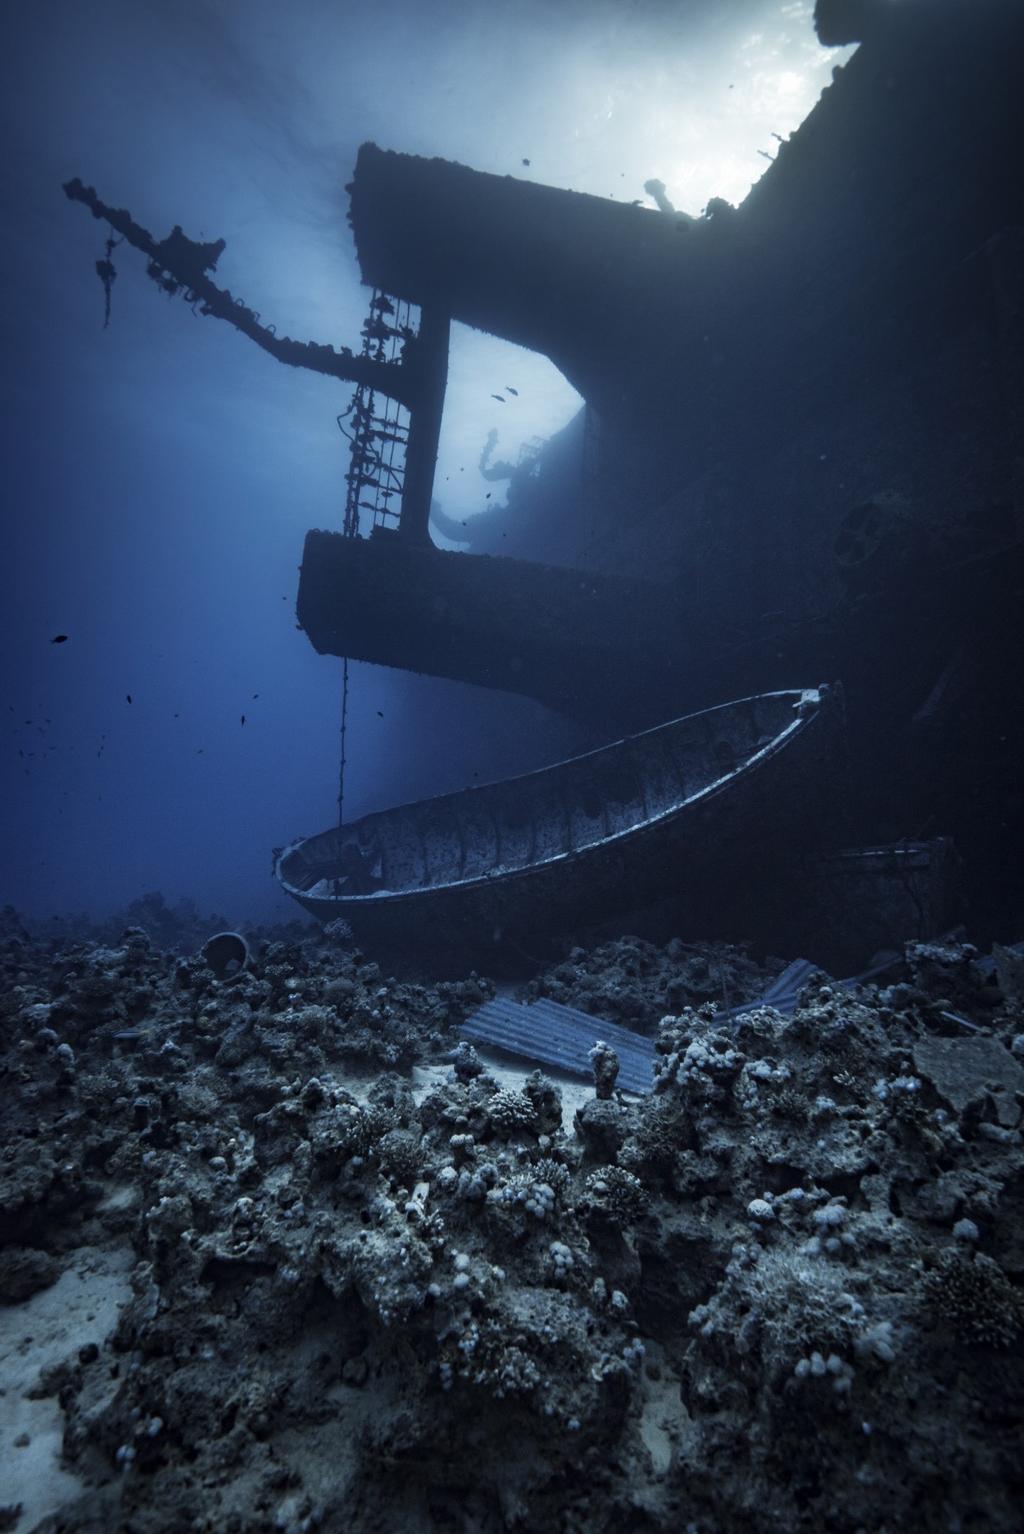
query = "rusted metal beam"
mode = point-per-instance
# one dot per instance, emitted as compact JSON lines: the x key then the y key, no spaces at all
{"x":569,"y":638}
{"x":427,"y":358}
{"x":181,"y":264}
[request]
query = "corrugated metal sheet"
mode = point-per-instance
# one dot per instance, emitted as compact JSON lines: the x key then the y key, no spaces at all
{"x":548,"y":1033}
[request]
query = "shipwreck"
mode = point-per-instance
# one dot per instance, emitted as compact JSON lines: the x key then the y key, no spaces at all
{"x":799,"y":459}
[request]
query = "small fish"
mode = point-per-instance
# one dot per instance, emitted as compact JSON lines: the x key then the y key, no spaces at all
{"x":380,"y":714}
{"x":499,"y":397}
{"x":509,"y":390}
{"x":59,"y":639}
{"x":526,"y":162}
{"x":243,"y":718}
{"x":255,"y":694}
{"x":488,"y":495}
{"x":128,"y":696}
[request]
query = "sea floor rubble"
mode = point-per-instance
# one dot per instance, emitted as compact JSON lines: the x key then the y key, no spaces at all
{"x":349,"y":1275}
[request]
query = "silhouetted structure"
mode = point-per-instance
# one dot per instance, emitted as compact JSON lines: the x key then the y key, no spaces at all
{"x":802,"y":455}
{"x":806,"y":425}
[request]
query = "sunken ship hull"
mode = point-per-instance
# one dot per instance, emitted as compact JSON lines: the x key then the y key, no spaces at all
{"x":802,"y":437}
{"x":800,"y":453}
{"x":710,"y":813}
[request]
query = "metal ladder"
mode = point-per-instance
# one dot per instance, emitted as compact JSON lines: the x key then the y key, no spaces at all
{"x":376,"y":425}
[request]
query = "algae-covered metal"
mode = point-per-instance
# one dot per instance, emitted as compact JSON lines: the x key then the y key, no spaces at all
{"x":697,"y":811}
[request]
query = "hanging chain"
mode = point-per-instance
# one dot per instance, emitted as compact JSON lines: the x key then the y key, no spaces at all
{"x":106,"y":272}
{"x":344,"y":730}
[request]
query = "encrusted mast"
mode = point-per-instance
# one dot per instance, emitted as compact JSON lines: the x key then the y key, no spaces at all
{"x":415,"y":381}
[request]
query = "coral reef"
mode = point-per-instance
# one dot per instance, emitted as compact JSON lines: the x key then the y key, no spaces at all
{"x":635,"y":983}
{"x":363,"y":1278}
